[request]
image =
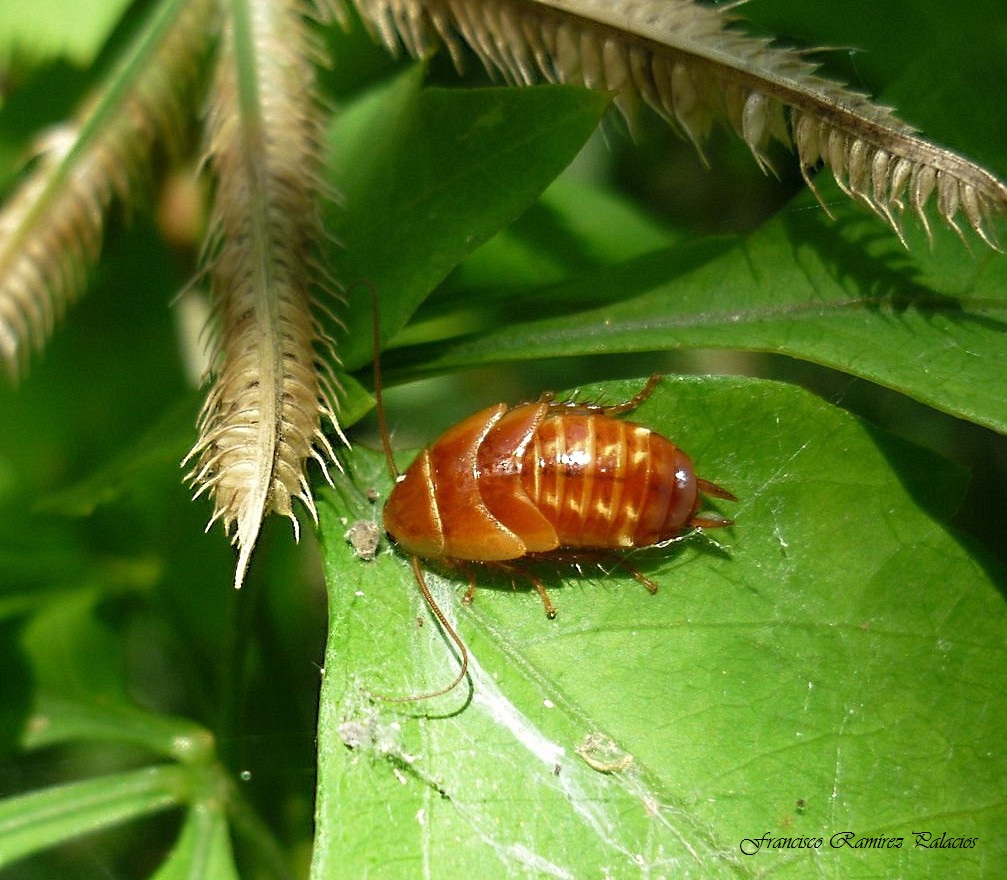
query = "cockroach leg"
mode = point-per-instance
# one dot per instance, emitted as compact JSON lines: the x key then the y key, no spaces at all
{"x":470,"y":576}
{"x":580,"y":407}
{"x":550,"y":609}
{"x":522,"y":572}
{"x":516,"y":572}
{"x":638,"y":576}
{"x":638,"y":398}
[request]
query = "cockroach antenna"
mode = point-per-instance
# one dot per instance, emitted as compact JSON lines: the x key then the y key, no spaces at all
{"x":421,"y":580}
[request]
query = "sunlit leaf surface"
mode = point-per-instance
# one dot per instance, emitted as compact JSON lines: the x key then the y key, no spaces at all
{"x":811,"y":672}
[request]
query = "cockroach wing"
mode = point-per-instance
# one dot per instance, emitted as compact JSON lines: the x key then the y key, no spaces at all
{"x":435,"y":511}
{"x":501,"y":461}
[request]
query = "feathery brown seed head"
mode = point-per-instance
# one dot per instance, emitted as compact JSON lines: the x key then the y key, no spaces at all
{"x":262,"y":419}
{"x":51,"y":228}
{"x":689,"y":62}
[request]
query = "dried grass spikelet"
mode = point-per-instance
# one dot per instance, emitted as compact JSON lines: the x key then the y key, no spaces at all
{"x":262,"y":418}
{"x":689,"y":63}
{"x":51,"y":228}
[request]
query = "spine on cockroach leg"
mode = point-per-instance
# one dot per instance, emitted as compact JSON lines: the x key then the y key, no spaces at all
{"x":262,"y":419}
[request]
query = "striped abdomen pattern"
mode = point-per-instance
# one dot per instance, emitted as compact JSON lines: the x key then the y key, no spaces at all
{"x":538,"y":478}
{"x":606,"y":483}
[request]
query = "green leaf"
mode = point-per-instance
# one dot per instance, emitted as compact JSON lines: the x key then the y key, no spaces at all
{"x":75,"y":28}
{"x":15,"y":687}
{"x":158,"y":449}
{"x":410,"y":163}
{"x":827,"y":664}
{"x":843,"y":294}
{"x":203,"y":850}
{"x":574,"y":228}
{"x":31,"y":822}
{"x":58,"y":720}
{"x":80,"y":694}
{"x":73,"y":652}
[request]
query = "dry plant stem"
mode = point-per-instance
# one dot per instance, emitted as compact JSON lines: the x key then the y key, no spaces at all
{"x":690,"y":64}
{"x":51,"y":228}
{"x":262,"y":418}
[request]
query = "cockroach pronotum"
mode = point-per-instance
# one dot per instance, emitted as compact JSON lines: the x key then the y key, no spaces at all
{"x":550,"y":480}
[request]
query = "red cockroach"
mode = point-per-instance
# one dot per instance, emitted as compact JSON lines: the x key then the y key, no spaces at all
{"x":541,"y":481}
